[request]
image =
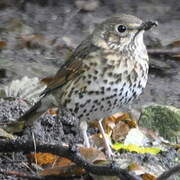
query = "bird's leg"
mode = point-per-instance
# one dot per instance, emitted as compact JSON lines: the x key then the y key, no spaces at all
{"x":107,"y":143}
{"x":84,"y":127}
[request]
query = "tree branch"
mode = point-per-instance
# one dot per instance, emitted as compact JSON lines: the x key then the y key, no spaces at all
{"x":28,"y":146}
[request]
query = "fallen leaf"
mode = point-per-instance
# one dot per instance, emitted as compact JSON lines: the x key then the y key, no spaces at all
{"x":148,"y":176}
{"x":42,"y":158}
{"x":70,"y":170}
{"x":61,"y":166}
{"x":97,"y":140}
{"x":137,"y":149}
{"x":120,"y":131}
{"x":92,"y":154}
{"x":110,"y":122}
{"x":131,"y":123}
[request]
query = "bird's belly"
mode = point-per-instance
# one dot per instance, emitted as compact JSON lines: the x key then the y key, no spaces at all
{"x":99,"y":99}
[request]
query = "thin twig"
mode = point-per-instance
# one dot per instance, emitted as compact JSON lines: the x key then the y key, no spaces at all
{"x":34,"y":142}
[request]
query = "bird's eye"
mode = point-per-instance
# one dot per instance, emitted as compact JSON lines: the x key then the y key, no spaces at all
{"x":121,"y":28}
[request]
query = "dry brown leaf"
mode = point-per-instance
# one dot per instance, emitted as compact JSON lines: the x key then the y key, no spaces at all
{"x":147,"y":176}
{"x":120,"y":131}
{"x":70,"y":170}
{"x":131,"y":123}
{"x":92,"y":154}
{"x":110,"y":122}
{"x":61,"y":161}
{"x":63,"y":167}
{"x":42,"y":158}
{"x":97,"y":140}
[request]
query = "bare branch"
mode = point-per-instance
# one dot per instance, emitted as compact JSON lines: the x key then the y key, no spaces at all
{"x":28,"y":146}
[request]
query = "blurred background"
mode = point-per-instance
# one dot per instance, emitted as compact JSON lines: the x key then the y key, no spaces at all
{"x":36,"y":36}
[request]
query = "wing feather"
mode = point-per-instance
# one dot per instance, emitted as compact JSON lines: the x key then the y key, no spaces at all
{"x":73,"y":67}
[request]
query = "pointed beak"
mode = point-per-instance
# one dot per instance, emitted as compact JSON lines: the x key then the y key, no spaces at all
{"x":148,"y":25}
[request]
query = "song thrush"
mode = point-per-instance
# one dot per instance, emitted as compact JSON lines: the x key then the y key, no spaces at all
{"x":107,"y":70}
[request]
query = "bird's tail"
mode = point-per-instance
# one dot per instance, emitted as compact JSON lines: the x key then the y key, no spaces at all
{"x":26,"y":88}
{"x":29,"y":89}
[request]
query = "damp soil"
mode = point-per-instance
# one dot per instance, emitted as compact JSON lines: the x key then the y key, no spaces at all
{"x":59,"y":26}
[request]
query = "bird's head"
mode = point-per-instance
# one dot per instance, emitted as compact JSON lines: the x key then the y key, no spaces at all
{"x":121,"y":32}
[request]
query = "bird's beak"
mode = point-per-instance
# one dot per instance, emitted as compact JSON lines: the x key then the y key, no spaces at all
{"x":148,"y":25}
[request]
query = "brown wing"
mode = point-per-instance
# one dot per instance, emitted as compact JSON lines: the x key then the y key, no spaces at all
{"x":66,"y":74}
{"x":73,"y":67}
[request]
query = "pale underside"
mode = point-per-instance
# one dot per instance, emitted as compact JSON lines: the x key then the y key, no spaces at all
{"x":98,"y":93}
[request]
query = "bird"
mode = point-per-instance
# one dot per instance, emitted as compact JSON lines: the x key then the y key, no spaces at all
{"x":107,"y":70}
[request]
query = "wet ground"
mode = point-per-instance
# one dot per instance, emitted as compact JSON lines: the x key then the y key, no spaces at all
{"x":39,"y":35}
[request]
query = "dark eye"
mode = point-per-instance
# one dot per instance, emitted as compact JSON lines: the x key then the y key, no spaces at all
{"x":121,"y":28}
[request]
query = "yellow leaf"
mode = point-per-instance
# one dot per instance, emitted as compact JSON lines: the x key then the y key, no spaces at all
{"x":134,"y":148}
